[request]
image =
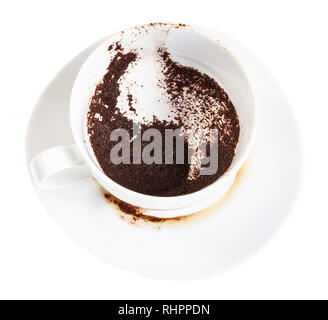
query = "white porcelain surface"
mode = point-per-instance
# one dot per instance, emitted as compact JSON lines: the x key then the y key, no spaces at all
{"x":203,"y":244}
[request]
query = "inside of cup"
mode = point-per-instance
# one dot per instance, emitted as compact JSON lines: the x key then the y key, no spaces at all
{"x":187,"y":46}
{"x":196,"y":49}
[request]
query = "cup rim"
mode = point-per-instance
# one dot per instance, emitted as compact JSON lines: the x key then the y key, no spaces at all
{"x":234,"y":166}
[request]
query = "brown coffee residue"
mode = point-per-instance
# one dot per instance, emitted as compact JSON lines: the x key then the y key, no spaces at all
{"x":123,"y":206}
{"x":138,"y":216}
{"x":131,"y":213}
{"x":198,"y":104}
{"x":164,"y":24}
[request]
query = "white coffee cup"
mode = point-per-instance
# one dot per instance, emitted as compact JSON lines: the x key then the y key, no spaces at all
{"x":63,"y":165}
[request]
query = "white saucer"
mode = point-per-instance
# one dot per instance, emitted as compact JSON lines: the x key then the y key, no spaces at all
{"x":204,"y":243}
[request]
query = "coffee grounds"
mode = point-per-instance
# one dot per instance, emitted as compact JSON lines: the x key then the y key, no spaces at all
{"x":200,"y":104}
{"x":134,"y":212}
{"x":160,"y":179}
{"x":123,"y":206}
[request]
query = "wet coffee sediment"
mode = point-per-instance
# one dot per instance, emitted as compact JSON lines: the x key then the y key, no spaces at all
{"x":197,"y":104}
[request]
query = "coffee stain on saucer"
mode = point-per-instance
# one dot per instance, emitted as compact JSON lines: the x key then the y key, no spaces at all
{"x":139,"y":217}
{"x":240,"y":177}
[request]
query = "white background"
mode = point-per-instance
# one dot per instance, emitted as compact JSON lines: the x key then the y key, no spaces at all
{"x":39,"y":260}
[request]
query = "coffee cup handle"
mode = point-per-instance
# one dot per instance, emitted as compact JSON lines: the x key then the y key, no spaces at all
{"x":58,"y":167}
